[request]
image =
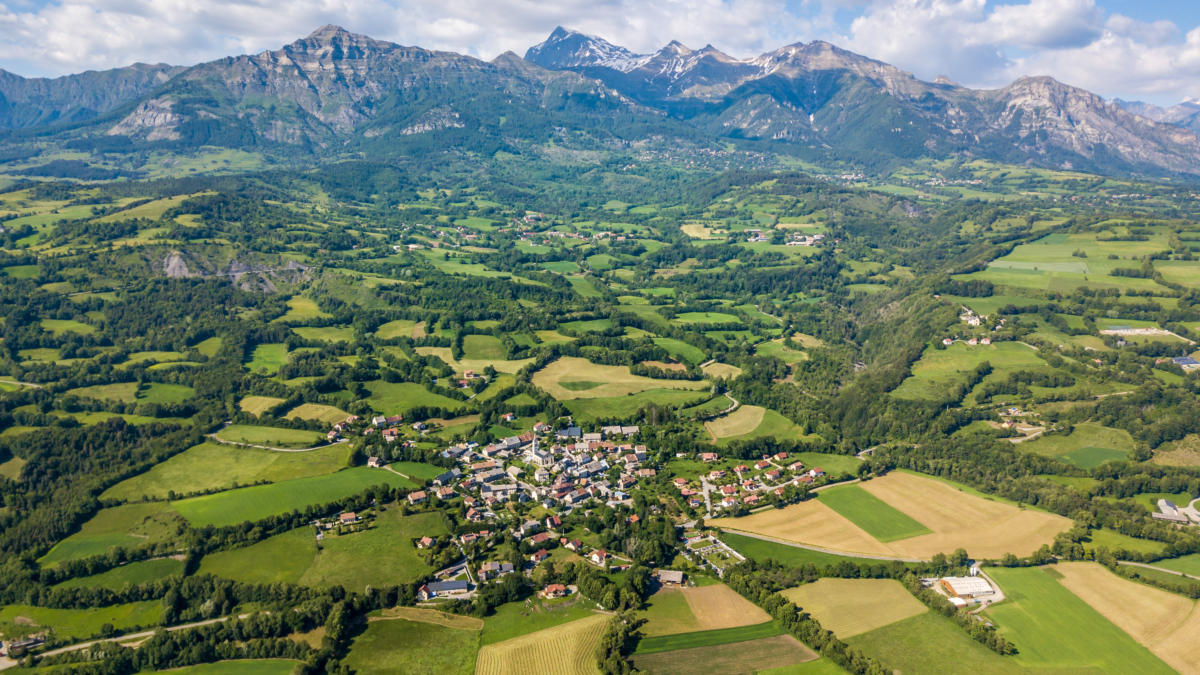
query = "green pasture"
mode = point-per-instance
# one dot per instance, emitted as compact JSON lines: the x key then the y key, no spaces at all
{"x":872,"y":514}
{"x":280,"y":437}
{"x":400,"y":646}
{"x":392,"y":398}
{"x":132,"y":574}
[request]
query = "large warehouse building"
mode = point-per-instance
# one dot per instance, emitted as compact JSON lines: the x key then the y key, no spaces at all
{"x":967,"y":588}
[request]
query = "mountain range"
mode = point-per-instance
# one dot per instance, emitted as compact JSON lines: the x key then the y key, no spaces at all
{"x":335,"y":92}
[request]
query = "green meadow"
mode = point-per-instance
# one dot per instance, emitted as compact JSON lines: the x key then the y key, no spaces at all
{"x":871,"y":513}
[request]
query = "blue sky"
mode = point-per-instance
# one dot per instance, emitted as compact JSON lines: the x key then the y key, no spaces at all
{"x":1135,"y":49}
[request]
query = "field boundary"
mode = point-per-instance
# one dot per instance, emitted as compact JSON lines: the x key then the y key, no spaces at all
{"x":818,"y":549}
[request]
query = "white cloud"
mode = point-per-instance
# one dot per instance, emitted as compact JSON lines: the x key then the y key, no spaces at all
{"x":977,"y":42}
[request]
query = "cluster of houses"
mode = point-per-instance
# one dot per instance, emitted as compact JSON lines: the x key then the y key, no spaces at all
{"x":560,"y":469}
{"x":805,"y":239}
{"x":747,"y":484}
{"x":971,"y":342}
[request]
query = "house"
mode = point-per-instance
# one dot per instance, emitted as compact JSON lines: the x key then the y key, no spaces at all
{"x":569,"y":432}
{"x":332,"y":436}
{"x":419,"y":426}
{"x":379,"y":420}
{"x":348,"y":517}
{"x":670,"y":577}
{"x":541,"y":427}
{"x":445,"y":493}
{"x":599,"y":557}
{"x":708,"y":457}
{"x":493,"y":570}
{"x":540,"y":538}
{"x":417,"y":497}
{"x":554,"y":591}
{"x":448,"y":477}
{"x":780,"y":456}
{"x":553,"y":522}
{"x":647,"y":473}
{"x":816,"y":472}
{"x":572,"y":544}
{"x":390,"y":435}
{"x":374,"y":462}
{"x":437,"y":589}
{"x":716,"y":474}
{"x":630,"y":430}
{"x":425,"y":542}
{"x":539,"y":556}
{"x":394,"y":420}
{"x":474,"y":515}
{"x":729,"y":489}
{"x":761,"y":465}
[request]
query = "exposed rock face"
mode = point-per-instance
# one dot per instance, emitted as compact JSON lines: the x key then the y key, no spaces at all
{"x":154,"y":117}
{"x":175,"y":267}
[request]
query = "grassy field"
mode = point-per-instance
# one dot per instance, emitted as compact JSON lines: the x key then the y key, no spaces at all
{"x":275,"y":437}
{"x":77,"y":624}
{"x":681,"y":350}
{"x":1188,"y":564}
{"x":283,"y":558}
{"x":1164,"y":622}
{"x":400,"y":328}
{"x":850,"y":607}
{"x":931,"y":643}
{"x":699,"y":608}
{"x":1088,"y":445}
{"x":135,"y":573}
{"x":60,"y":327}
{"x":130,"y":526}
{"x":301,"y":309}
{"x":316,"y":411}
{"x":393,"y":398}
{"x":620,"y":407}
{"x":262,"y":501}
{"x":940,"y":370}
{"x":381,"y":556}
{"x":1114,"y":541}
{"x":125,"y":392}
{"x":777,"y":349}
{"x":208,"y":347}
{"x":705,"y":317}
{"x":569,"y":649}
{"x":486,"y":347}
{"x":257,"y":405}
{"x":707,"y":638}
{"x":325,"y":333}
{"x":522,"y":618}
{"x":400,"y":646}
{"x":158,"y":392}
{"x":667,"y":612}
{"x":986,"y":527}
{"x":782,"y":653}
{"x":749,"y":422}
{"x":871,"y":513}
{"x":212,"y":466}
{"x":1054,"y":628}
{"x":571,"y":378}
{"x":267,"y":359}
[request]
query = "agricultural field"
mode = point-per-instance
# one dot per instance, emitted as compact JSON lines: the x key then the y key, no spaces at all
{"x":571,"y":378}
{"x":782,"y":652}
{"x":128,"y":526}
{"x":401,"y":645}
{"x":1054,"y":628}
{"x":283,"y":558}
{"x":749,"y":422}
{"x":325,"y":333}
{"x":254,"y":503}
{"x":77,"y":624}
{"x":216,"y":466}
{"x":568,"y":649}
{"x":257,"y":405}
{"x":319,"y":412}
{"x":267,"y":359}
{"x":302,"y":309}
{"x":850,"y":607}
{"x":381,"y":556}
{"x":240,"y":667}
{"x":931,"y":643}
{"x":985,"y":527}
{"x":131,"y":574}
{"x":1184,"y":452}
{"x":871,"y":513}
{"x":699,"y":608}
{"x":394,"y":398}
{"x":1087,"y":446}
{"x":279,"y":437}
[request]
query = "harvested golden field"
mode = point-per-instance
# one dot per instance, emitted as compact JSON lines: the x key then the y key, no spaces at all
{"x":751,"y":656}
{"x":721,"y":370}
{"x":431,"y":616}
{"x":572,"y":377}
{"x":1166,"y":623}
{"x":985,"y":528}
{"x":664,"y":366}
{"x":737,"y":423}
{"x":850,"y":607}
{"x":567,"y":649}
{"x":257,"y":405}
{"x":810,"y":522}
{"x":319,"y":412}
{"x":719,"y":606}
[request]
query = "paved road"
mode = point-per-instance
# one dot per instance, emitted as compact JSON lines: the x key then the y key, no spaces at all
{"x":1159,"y":569}
{"x":129,"y":637}
{"x":818,"y":549}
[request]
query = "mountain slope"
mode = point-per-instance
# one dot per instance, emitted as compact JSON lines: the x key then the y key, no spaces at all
{"x":817,"y":93}
{"x":35,"y":102}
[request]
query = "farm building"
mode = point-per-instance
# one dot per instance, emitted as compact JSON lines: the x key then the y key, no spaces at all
{"x":1167,"y":510}
{"x":967,"y":588}
{"x":554,"y":591}
{"x":670,"y":577}
{"x":440,"y":588}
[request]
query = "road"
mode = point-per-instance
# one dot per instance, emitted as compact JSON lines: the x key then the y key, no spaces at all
{"x":22,"y":384}
{"x":1157,"y":569}
{"x":6,"y":663}
{"x":818,"y":549}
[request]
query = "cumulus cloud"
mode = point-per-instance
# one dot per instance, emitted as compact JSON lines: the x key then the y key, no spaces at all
{"x":976,"y":42}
